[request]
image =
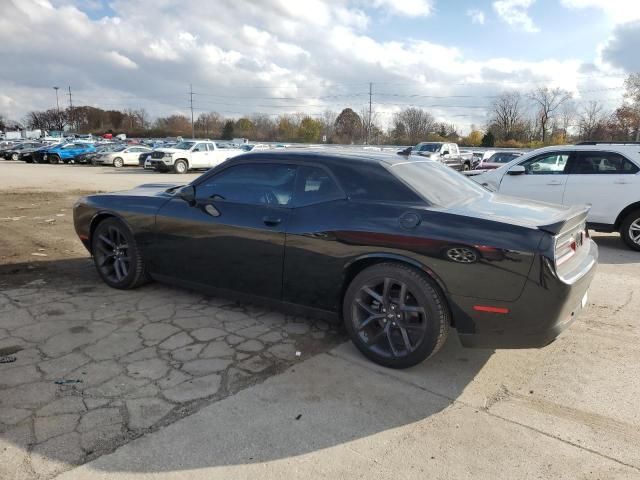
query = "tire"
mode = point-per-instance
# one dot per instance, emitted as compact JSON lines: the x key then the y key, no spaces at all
{"x":630,"y":230}
{"x":118,"y":162}
{"x":14,"y":157}
{"x":391,"y":331}
{"x":54,"y":159}
{"x":180,"y":167}
{"x":466,"y":167}
{"x":116,"y":255}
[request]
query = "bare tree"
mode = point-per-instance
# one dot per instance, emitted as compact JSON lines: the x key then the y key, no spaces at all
{"x":632,"y":94}
{"x":547,"y":101}
{"x":567,"y":115}
{"x":417,"y":123}
{"x":590,"y":119}
{"x":507,"y":114}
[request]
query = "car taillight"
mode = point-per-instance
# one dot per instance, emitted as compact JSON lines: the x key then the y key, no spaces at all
{"x":568,"y":244}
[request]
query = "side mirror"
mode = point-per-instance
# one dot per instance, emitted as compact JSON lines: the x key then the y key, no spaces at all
{"x":516,"y":170}
{"x":187,"y":193}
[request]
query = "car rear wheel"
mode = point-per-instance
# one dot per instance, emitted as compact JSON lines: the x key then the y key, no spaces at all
{"x":54,"y":159}
{"x":630,"y":230}
{"x":116,"y":255}
{"x":118,"y":162}
{"x":395,"y":315}
{"x":14,"y":157}
{"x":466,"y":167}
{"x":180,"y":166}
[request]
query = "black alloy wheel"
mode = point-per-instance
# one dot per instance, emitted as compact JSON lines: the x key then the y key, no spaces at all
{"x":395,"y":315}
{"x":116,"y":256}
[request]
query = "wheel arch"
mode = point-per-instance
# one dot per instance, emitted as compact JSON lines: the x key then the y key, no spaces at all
{"x":358,"y":264}
{"x":97,"y":219}
{"x":627,"y":210}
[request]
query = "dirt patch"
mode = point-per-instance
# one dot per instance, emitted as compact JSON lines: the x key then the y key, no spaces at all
{"x":38,"y":226}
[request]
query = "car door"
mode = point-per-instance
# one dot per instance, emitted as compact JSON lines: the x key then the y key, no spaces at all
{"x":200,"y":156}
{"x":319,"y":206}
{"x":232,"y":237}
{"x":544,"y":178}
{"x":605,"y":180}
{"x":450,"y":156}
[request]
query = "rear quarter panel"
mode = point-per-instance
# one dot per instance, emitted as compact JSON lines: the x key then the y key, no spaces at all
{"x":324,"y":240}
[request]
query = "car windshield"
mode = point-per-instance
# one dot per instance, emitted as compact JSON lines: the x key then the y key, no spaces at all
{"x":438,"y":184}
{"x":427,"y":147}
{"x":184,"y":145}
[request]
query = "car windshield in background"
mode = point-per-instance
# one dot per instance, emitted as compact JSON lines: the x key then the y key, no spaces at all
{"x":438,"y":184}
{"x":116,"y":148}
{"x":184,"y":145}
{"x":427,"y":147}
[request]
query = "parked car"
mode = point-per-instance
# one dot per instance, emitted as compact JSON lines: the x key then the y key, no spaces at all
{"x":100,"y":148}
{"x":446,"y":153}
{"x":66,"y":152}
{"x":397,"y":249}
{"x":120,"y":156}
{"x":143,"y":159}
{"x":189,"y":155}
{"x":13,"y":153}
{"x":27,"y":154}
{"x":478,"y":157}
{"x":496,"y":160}
{"x":254,"y":147}
{"x":605,"y":176}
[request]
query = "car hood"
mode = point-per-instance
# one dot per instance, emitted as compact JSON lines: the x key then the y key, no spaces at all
{"x":548,"y":217}
{"x":171,"y":150}
{"x":147,"y":190}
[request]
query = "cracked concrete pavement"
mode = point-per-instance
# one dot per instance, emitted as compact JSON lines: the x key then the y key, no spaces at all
{"x":97,"y":367}
{"x":181,"y":385}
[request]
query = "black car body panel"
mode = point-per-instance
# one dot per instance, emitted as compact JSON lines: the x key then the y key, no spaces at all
{"x":491,"y":250}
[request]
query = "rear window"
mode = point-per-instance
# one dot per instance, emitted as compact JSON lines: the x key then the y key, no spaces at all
{"x":437,"y":183}
{"x":371,"y":181}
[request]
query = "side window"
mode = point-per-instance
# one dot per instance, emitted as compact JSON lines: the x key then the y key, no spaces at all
{"x":315,"y":185}
{"x":200,"y":147}
{"x":547,"y":164}
{"x":254,"y":184}
{"x":591,"y":163}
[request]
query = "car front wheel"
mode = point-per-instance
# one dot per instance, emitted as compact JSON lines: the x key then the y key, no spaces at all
{"x":118,"y":162}
{"x":116,"y":255}
{"x":180,"y":166}
{"x":54,"y":159}
{"x":395,"y":315}
{"x":630,"y":230}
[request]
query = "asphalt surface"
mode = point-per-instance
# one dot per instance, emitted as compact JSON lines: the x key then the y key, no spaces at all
{"x":180,"y":385}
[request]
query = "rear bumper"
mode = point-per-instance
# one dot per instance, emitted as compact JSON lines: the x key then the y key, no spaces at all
{"x":545,"y":309}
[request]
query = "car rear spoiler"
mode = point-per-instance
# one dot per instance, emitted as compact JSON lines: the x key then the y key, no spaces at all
{"x":573,"y":217}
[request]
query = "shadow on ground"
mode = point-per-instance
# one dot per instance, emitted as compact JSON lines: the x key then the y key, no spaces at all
{"x":96,"y":368}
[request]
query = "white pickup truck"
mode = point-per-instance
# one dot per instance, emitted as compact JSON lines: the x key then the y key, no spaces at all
{"x":190,"y":155}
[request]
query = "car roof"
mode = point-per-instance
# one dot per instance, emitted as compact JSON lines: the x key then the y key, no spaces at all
{"x":328,"y":157}
{"x":627,"y":149}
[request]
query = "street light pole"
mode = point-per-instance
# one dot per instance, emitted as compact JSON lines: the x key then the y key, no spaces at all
{"x":57,"y":103}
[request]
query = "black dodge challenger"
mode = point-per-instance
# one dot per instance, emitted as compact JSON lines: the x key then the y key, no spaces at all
{"x":399,"y":250}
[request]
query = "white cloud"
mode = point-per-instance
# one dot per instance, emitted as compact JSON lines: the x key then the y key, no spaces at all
{"x":620,"y":11}
{"x":477,"y":16}
{"x":514,"y":13}
{"x":147,"y":54}
{"x":409,"y":8}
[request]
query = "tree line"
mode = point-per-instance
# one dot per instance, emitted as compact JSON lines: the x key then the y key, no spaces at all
{"x":540,"y":117}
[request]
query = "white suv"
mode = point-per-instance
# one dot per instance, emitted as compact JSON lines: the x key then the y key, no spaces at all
{"x":603,"y":175}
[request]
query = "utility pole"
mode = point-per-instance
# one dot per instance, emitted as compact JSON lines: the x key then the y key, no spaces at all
{"x":193,"y":131}
{"x":71,"y":117}
{"x":58,"y":107}
{"x":369,"y":122}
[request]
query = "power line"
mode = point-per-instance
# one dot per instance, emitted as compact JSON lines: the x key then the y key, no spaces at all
{"x":193,"y":132}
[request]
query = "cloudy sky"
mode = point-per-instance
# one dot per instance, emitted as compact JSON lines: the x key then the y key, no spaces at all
{"x":277,"y":56}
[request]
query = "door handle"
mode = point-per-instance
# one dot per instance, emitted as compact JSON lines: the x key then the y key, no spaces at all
{"x":554,"y":183}
{"x":271,"y":221}
{"x":620,"y":182}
